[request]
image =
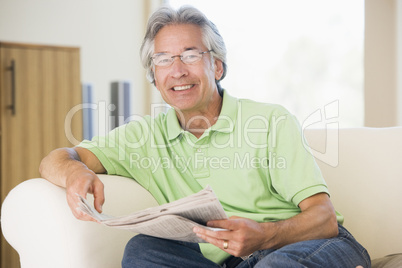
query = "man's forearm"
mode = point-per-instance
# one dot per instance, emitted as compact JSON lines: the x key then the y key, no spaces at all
{"x":316,"y":222}
{"x":55,"y":166}
{"x":74,"y":169}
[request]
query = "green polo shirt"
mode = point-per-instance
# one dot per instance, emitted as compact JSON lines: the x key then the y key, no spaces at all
{"x":254,"y":159}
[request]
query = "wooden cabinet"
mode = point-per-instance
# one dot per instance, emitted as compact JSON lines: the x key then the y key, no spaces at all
{"x":39,"y":86}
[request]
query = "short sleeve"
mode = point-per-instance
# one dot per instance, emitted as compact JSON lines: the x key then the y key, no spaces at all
{"x":116,"y":150}
{"x":299,"y":177}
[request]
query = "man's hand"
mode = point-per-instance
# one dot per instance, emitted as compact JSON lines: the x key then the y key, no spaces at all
{"x":82,"y":182}
{"x":74,"y":169}
{"x":317,"y":220}
{"x":243,"y":236}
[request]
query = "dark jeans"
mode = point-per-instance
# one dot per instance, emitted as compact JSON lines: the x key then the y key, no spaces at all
{"x":342,"y":251}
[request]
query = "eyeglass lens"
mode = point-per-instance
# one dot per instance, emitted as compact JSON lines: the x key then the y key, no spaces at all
{"x":188,"y":57}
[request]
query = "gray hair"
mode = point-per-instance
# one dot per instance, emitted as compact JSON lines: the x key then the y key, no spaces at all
{"x":184,"y":15}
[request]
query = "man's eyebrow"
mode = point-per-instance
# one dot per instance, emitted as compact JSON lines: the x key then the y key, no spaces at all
{"x":162,"y":52}
{"x":190,"y":48}
{"x":165,"y":52}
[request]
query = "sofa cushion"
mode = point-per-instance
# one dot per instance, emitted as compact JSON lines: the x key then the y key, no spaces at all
{"x":389,"y":261}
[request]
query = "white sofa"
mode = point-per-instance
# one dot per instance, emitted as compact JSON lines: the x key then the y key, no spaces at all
{"x":363,"y":169}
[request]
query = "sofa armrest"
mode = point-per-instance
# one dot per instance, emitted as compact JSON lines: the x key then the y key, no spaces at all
{"x":39,"y":225}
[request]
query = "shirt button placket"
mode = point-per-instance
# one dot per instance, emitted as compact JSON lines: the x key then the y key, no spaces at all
{"x":201,"y":163}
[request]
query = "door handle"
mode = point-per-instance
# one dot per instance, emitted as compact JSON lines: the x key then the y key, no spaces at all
{"x":12,"y":69}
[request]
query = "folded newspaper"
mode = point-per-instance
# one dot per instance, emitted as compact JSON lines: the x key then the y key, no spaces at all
{"x":174,"y":220}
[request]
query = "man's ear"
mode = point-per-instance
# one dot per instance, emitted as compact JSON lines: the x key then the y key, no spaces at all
{"x":218,"y":69}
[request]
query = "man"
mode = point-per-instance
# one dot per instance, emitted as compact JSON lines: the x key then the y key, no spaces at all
{"x":251,"y":154}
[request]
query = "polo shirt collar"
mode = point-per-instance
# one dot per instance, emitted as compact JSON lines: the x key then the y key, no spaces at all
{"x":224,"y":124}
{"x":172,"y":125}
{"x":227,"y":117}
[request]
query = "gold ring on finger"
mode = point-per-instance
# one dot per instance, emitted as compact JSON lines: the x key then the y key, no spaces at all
{"x":225,"y":244}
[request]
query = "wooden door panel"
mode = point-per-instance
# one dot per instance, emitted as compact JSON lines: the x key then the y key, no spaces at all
{"x":20,"y":153}
{"x":61,"y":93}
{"x":47,"y":87}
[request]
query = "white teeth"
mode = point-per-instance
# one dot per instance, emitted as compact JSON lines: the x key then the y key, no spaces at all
{"x":182,"y":87}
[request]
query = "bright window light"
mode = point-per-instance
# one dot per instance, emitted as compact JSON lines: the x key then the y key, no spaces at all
{"x":305,"y":55}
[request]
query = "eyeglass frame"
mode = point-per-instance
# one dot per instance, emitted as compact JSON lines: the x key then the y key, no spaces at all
{"x":180,"y":56}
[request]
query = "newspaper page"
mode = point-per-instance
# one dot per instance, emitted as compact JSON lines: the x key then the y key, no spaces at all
{"x":173,"y":220}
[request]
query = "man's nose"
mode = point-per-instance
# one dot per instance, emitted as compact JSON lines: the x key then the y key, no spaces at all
{"x":178,"y":68}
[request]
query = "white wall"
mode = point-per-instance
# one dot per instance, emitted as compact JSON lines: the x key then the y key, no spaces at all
{"x":109,"y":34}
{"x":399,"y":61}
{"x":383,"y":81}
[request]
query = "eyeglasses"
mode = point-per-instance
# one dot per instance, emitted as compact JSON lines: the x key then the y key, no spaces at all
{"x":187,"y":57}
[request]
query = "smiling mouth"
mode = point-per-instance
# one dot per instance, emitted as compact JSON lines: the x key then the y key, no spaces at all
{"x":181,"y":88}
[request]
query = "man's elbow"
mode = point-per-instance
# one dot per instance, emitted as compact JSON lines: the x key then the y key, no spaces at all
{"x":332,"y":225}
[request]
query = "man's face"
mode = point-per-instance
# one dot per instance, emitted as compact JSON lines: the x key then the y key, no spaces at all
{"x":187,"y":87}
